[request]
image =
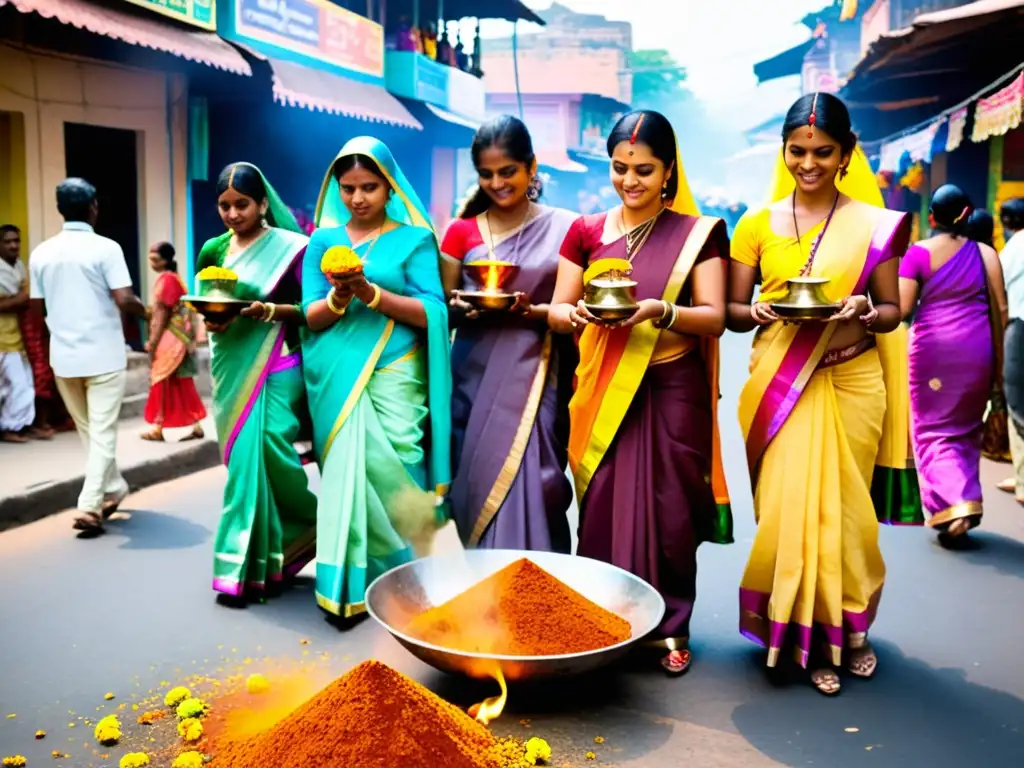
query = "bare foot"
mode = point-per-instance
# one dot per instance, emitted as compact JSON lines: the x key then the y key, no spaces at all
{"x":12,"y":437}
{"x":1009,"y":485}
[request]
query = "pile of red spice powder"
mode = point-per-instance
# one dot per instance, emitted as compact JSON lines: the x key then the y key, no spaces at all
{"x":522,"y":610}
{"x":372,"y":717}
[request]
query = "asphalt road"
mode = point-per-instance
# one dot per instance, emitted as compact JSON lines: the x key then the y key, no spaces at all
{"x":132,"y":610}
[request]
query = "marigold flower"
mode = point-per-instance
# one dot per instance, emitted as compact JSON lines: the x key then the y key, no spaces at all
{"x":188,"y":760}
{"x":217,"y":273}
{"x":108,"y":696}
{"x":537,"y":750}
{"x":191,"y":708}
{"x":15,"y":761}
{"x":108,"y":730}
{"x":599,"y":739}
{"x":40,"y":734}
{"x":339,"y":259}
{"x":134,"y":760}
{"x":58,"y":755}
{"x":177,"y":695}
{"x":257,"y":684}
{"x":190,"y":729}
{"x":591,"y":756}
{"x":148,"y":718}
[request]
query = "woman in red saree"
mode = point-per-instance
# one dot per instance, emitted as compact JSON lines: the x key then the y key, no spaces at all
{"x":173,"y":399}
{"x":643,"y":435}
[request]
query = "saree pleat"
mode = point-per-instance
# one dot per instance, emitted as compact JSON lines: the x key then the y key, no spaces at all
{"x":815,"y":567}
{"x":374,"y":465}
{"x":650,"y":502}
{"x":266,"y":528}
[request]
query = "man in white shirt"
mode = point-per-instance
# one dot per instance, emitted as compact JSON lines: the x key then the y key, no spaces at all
{"x":81,"y":282}
{"x":1012,"y":260}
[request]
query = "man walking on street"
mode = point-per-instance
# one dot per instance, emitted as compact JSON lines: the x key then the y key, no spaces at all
{"x":81,"y":281}
{"x":1012,"y":259}
{"x":17,"y":389}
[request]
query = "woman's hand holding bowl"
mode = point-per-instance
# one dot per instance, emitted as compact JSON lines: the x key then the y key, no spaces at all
{"x":468,"y":311}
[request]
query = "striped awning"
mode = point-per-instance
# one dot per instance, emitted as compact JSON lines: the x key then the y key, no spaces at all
{"x":300,"y":86}
{"x":138,"y":29}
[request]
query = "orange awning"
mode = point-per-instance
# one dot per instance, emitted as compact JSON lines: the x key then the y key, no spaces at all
{"x":194,"y":45}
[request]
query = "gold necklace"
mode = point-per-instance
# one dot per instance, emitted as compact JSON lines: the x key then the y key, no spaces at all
{"x":637,"y":237}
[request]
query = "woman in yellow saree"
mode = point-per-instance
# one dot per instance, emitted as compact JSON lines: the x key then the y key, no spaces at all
{"x":825,"y":402}
{"x":643,"y":432}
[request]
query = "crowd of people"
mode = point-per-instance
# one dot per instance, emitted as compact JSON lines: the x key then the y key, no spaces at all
{"x":423,"y":409}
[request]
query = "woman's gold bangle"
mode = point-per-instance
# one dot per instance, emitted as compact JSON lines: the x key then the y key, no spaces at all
{"x":339,"y":311}
{"x":376,"y":297}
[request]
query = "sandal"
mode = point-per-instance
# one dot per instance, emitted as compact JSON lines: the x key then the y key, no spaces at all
{"x":196,"y":434}
{"x":863,"y":662}
{"x":676,"y":663}
{"x":955,"y":533}
{"x":1009,"y":485}
{"x":155,"y":435}
{"x":90,"y":523}
{"x":826,"y":681}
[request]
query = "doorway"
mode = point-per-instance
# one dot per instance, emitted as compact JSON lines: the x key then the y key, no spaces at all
{"x":13,"y":178}
{"x":107,"y":158}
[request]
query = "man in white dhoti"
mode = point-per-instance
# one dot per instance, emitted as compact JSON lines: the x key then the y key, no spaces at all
{"x":17,"y":388}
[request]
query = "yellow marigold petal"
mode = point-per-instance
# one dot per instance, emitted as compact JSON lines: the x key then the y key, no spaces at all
{"x":217,"y":273}
{"x":339,"y":259}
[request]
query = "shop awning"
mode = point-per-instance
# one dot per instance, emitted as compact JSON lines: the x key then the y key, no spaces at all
{"x":559,"y":161}
{"x":194,"y":45}
{"x":451,"y":117}
{"x":935,"y":29}
{"x":299,"y":86}
{"x":784,"y":64}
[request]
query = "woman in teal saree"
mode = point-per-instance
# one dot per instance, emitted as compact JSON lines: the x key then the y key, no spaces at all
{"x":378,"y":377}
{"x":268,"y":527}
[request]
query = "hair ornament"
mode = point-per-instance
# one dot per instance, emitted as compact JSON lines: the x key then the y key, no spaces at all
{"x":636,"y":128}
{"x":963,"y":214}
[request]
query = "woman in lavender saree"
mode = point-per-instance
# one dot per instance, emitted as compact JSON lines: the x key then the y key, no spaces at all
{"x":643,"y":441}
{"x":824,"y":413}
{"x":953,"y":286}
{"x":511,"y":377}
{"x":268,"y":527}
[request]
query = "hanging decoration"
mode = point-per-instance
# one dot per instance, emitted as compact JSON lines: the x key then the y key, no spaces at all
{"x":957,"y":124}
{"x":914,"y":178}
{"x":999,"y":113}
{"x":884,"y":179}
{"x":917,"y":145}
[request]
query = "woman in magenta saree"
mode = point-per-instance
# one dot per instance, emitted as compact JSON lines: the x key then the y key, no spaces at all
{"x":954,"y":288}
{"x":512,"y":378}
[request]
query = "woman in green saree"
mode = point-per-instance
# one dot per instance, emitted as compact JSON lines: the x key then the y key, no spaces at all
{"x":378,"y":377}
{"x":268,"y":527}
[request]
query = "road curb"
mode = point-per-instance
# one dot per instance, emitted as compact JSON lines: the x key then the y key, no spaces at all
{"x":51,"y":498}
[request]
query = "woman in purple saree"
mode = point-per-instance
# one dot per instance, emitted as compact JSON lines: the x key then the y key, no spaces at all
{"x":512,"y":379}
{"x":953,"y":286}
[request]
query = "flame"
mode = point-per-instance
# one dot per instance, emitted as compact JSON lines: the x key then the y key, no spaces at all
{"x":489,"y":709}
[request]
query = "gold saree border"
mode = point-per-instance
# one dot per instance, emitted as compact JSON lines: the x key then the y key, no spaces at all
{"x":965,"y":509}
{"x":347,"y":611}
{"x":635,"y":359}
{"x":358,"y":386}
{"x":514,"y":460}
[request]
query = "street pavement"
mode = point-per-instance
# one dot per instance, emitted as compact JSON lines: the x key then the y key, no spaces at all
{"x":131,"y":610}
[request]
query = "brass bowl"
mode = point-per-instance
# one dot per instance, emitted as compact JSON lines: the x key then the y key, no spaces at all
{"x":216,"y":300}
{"x":488,"y":301}
{"x":491,"y":276}
{"x":806,"y":300}
{"x":610,"y":298}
